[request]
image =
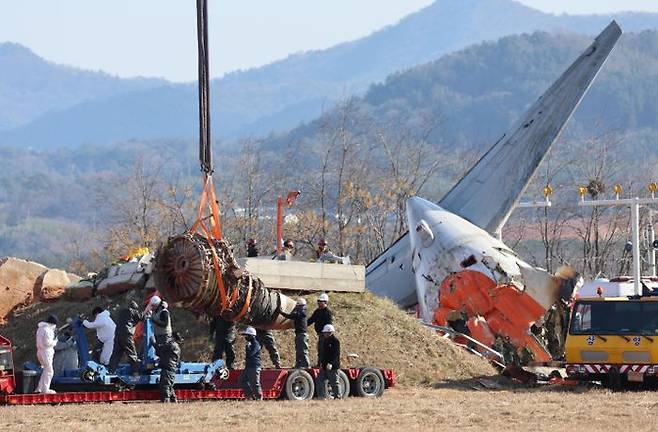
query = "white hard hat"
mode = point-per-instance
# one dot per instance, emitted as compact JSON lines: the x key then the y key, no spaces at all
{"x":301,"y":301}
{"x":165,"y":304}
{"x":250,"y":331}
{"x":328,"y":328}
{"x":155,"y":300}
{"x":323,"y":297}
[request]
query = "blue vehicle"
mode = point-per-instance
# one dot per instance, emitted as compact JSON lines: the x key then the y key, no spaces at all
{"x":92,"y":374}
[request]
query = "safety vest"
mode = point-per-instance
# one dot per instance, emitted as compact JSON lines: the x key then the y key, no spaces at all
{"x":165,"y":331}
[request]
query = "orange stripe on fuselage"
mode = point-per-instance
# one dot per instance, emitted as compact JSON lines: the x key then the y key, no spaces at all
{"x":506,"y":310}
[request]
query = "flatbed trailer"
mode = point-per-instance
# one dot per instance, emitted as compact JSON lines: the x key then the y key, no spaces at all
{"x":292,"y":384}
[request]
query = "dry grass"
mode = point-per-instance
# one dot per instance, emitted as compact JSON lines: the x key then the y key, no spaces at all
{"x":400,"y":409}
{"x":372,"y":327}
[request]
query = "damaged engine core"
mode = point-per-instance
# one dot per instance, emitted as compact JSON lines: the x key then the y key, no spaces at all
{"x":185,"y":275}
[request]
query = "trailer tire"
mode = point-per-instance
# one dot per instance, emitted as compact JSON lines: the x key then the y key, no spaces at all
{"x":343,"y":385}
{"x":88,"y":376}
{"x":369,"y":383}
{"x":613,"y":379}
{"x":299,"y":385}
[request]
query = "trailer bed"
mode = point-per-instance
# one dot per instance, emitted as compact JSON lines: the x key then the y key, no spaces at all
{"x":273,"y":382}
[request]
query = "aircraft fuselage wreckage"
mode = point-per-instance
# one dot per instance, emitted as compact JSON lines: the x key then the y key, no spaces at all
{"x":451,"y":265}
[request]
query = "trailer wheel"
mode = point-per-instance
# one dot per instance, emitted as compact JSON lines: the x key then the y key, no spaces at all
{"x":613,"y":379}
{"x":88,"y":376}
{"x":299,"y":385}
{"x":370,"y":383}
{"x":343,"y":386}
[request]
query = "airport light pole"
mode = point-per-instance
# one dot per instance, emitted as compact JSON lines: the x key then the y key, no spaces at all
{"x":651,"y":239}
{"x":547,"y":192}
{"x":634,"y":204}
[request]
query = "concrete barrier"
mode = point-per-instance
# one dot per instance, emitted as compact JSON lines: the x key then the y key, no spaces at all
{"x":306,"y":276}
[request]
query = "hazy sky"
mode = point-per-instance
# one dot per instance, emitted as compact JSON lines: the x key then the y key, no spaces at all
{"x":157,"y":37}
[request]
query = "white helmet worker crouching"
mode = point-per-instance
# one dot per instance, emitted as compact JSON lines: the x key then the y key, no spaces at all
{"x":328,"y":328}
{"x":249,"y":331}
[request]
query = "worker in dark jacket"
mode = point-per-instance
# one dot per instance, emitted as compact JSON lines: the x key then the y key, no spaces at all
{"x":298,"y":315}
{"x":266,"y":339}
{"x":165,"y":347}
{"x":330,"y":362}
{"x":168,"y":365}
{"x":252,"y":248}
{"x":124,"y":337}
{"x":222,"y":332}
{"x":320,"y":318}
{"x":250,"y":376}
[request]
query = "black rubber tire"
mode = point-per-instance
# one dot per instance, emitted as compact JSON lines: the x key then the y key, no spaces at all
{"x":369,"y":383}
{"x":299,"y":385}
{"x":343,"y":384}
{"x":88,"y":376}
{"x":614,"y":380}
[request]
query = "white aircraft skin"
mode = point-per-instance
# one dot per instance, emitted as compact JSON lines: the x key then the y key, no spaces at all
{"x":485,"y":197}
{"x":444,"y":245}
{"x":441,"y":241}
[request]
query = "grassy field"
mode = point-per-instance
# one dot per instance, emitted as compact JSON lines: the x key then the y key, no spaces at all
{"x":409,"y":409}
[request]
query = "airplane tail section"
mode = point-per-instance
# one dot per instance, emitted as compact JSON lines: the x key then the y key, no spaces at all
{"x":487,"y":194}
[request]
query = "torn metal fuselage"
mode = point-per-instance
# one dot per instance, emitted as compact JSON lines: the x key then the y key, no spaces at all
{"x":462,"y":271}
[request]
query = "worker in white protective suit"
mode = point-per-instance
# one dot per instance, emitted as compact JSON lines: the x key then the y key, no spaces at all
{"x":46,"y":341}
{"x":104,"y":327}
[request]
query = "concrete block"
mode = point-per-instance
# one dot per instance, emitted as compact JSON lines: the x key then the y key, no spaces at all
{"x":306,"y":276}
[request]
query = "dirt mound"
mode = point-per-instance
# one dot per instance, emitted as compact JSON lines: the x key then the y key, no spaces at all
{"x":50,"y":285}
{"x":369,"y":326}
{"x":17,"y":279}
{"x":25,"y":282}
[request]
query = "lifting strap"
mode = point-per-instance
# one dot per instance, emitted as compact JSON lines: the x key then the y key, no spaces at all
{"x":208,"y":200}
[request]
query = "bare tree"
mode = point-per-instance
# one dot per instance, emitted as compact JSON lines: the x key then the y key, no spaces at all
{"x":600,"y":229}
{"x":142,"y":209}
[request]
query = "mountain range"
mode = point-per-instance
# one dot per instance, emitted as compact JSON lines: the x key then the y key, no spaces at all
{"x":474,"y":95}
{"x":47,"y":106}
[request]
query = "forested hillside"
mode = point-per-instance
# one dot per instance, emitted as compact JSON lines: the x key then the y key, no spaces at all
{"x":476,"y":94}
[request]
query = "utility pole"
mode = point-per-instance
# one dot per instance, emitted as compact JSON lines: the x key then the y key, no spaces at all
{"x":651,"y":239}
{"x":280,"y":203}
{"x":634,"y":204}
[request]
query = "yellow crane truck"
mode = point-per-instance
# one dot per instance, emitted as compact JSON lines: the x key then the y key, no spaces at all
{"x":613,"y":340}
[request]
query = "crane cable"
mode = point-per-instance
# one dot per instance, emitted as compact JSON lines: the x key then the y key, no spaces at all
{"x":205,"y":154}
{"x":208,"y":201}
